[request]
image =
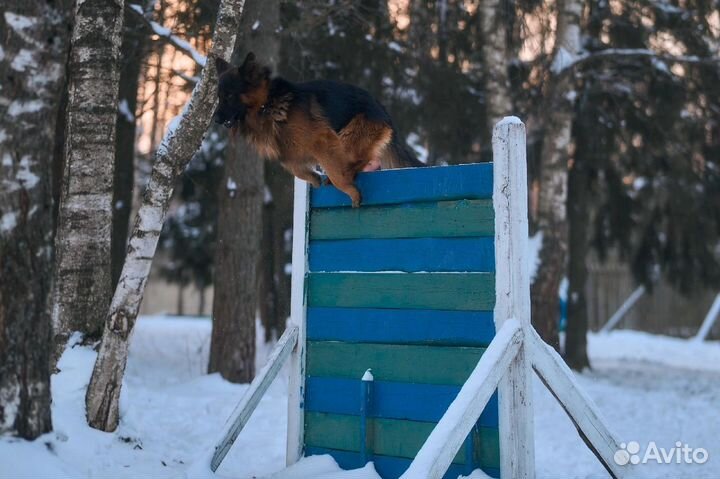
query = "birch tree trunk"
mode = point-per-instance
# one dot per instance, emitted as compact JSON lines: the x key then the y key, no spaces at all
{"x":181,"y":141}
{"x":81,"y":293}
{"x":33,"y":55}
{"x":551,"y":213}
{"x":498,"y":100}
{"x":240,"y":222}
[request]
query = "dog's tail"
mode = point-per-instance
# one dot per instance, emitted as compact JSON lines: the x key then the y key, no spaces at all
{"x":399,"y":155}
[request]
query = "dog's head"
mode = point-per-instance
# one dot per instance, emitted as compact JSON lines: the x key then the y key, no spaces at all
{"x":240,"y":89}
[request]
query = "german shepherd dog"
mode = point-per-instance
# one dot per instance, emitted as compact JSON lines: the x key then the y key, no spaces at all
{"x":338,"y":126}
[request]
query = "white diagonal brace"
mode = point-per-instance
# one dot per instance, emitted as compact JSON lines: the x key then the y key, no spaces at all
{"x":712,"y":315}
{"x":447,"y":437}
{"x":623,"y":309}
{"x":581,"y":409}
{"x":251,"y":398}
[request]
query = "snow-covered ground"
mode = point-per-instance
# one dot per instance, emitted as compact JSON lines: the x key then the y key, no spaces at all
{"x":649,"y":388}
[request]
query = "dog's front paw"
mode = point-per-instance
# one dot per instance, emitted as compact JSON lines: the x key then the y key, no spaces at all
{"x":356,"y":200}
{"x":315,"y":180}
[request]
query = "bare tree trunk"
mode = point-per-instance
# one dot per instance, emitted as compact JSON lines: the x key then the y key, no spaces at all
{"x":35,"y":37}
{"x":180,"y":300}
{"x":498,"y":102}
{"x":181,"y":141}
{"x":578,"y":218}
{"x":442,"y":30}
{"x":274,"y":285}
{"x":59,"y":147}
{"x":276,"y":246}
{"x":551,"y":214}
{"x":267,"y":290}
{"x":232,"y":346}
{"x":282,"y":191}
{"x":81,"y":291}
{"x":201,"y":302}
{"x":133,"y":51}
{"x":237,"y":254}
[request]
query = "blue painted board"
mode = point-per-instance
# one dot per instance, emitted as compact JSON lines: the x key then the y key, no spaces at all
{"x":438,"y":183}
{"x":400,"y":326}
{"x":390,"y":400}
{"x":386,"y":466}
{"x":405,"y":254}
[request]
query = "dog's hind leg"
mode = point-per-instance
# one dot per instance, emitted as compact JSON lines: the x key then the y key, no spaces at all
{"x":366,"y":141}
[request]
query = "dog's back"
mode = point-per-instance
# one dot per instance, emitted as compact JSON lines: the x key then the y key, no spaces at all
{"x":340,"y":103}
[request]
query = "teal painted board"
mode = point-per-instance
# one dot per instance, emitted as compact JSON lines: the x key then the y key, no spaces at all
{"x":409,"y":255}
{"x":391,"y":437}
{"x":434,"y":219}
{"x":392,"y":362}
{"x":452,"y":291}
{"x":441,"y":183}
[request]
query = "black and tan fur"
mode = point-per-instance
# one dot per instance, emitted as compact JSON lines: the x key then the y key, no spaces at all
{"x":338,"y":126}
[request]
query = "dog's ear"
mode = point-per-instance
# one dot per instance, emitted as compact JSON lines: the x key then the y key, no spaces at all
{"x":249,"y":60}
{"x":253,"y":71}
{"x":221,"y":65}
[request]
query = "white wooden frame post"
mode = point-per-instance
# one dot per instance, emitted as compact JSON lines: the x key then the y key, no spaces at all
{"x":512,"y":290}
{"x":296,"y":384}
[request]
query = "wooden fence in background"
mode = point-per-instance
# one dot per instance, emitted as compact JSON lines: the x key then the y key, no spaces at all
{"x":662,"y":310}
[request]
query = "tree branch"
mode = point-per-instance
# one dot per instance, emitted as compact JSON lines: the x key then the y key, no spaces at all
{"x":618,"y":53}
{"x":168,"y":37}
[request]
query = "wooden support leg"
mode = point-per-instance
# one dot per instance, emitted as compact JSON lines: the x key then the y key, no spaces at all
{"x":582,"y":411}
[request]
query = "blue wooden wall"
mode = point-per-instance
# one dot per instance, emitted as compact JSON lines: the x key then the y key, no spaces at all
{"x":403,"y":285}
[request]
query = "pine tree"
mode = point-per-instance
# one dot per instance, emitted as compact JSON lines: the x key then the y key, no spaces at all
{"x":645,"y":176}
